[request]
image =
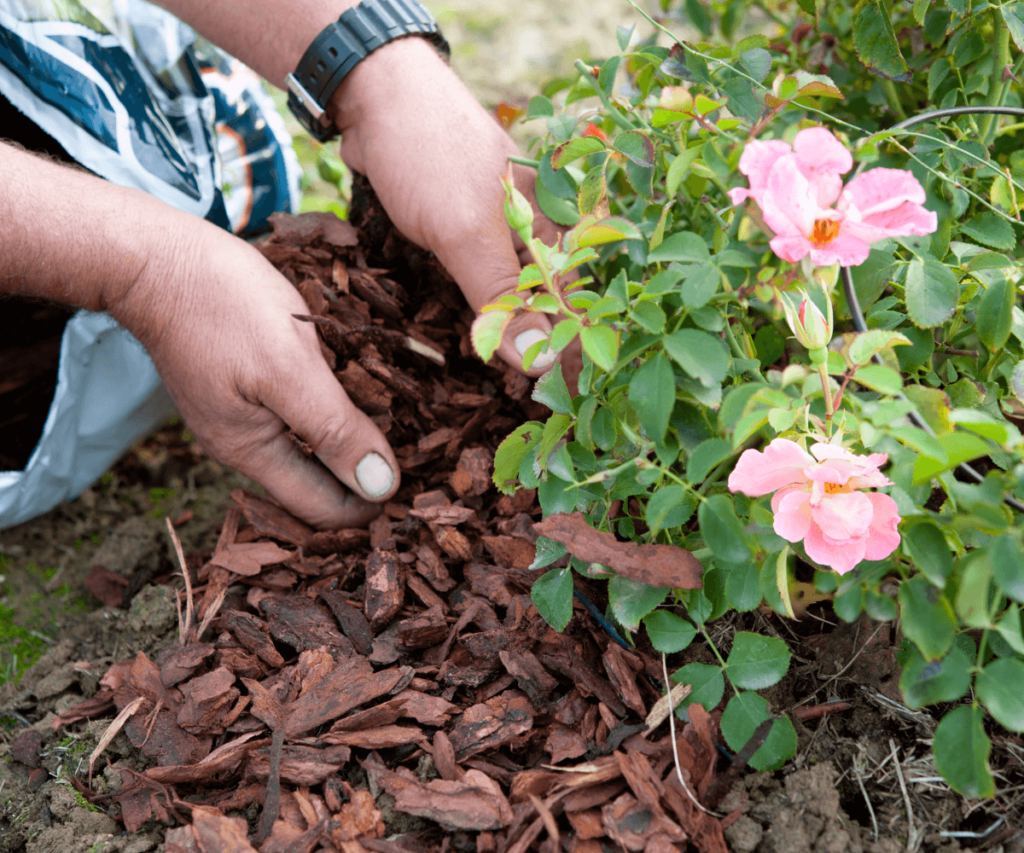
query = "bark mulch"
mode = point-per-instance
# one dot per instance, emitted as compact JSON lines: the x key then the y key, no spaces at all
{"x":394,"y":689}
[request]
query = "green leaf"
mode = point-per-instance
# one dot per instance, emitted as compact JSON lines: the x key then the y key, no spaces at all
{"x":682,"y":246}
{"x":932,"y":293}
{"x":601,"y":343}
{"x":880,"y":378}
{"x":636,"y":147}
{"x":574,"y":149}
{"x":875,"y":42}
{"x":995,"y":314}
{"x":961,"y":750}
{"x":866,"y":344}
{"x":742,"y":585}
{"x":757,"y":61}
{"x":663,"y":282}
{"x":650,"y":316}
{"x":607,"y":230}
{"x":701,"y":283}
{"x":756,"y":661}
{"x":556,"y":495}
{"x":551,"y":391}
{"x":680,"y":166}
{"x":630,"y":600}
{"x":564,"y":333}
{"x":926,"y":682}
{"x":722,"y":530}
{"x":593,"y":194}
{"x":992,"y":230}
{"x":488,"y":330}
{"x":927,"y":547}
{"x":552,"y":596}
{"x":547,"y":552}
{"x":1013,"y":17}
{"x":959,"y":447}
{"x":708,"y":685}
{"x":1006,"y":560}
{"x":652,"y":393}
{"x":669,"y":633}
{"x":706,"y":456}
{"x":510,"y":453}
{"x":999,"y":689}
{"x":670,"y":506}
{"x":559,"y":210}
{"x":742,"y":715}
{"x":700,"y":355}
{"x":539,"y":107}
{"x":926,"y":617}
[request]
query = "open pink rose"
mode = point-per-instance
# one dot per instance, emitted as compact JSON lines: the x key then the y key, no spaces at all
{"x":797,"y":187}
{"x":817,"y":500}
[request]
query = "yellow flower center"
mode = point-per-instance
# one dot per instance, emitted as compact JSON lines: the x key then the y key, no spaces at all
{"x":824,"y":232}
{"x":833,"y":488}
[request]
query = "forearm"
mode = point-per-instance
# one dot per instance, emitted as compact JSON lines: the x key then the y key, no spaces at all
{"x":269,"y":36}
{"x":71,"y":237}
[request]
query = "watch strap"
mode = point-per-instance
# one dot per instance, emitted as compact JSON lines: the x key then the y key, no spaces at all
{"x":344,"y":44}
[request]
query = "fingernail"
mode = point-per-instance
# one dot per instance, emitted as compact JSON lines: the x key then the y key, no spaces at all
{"x":374,"y":475}
{"x":527,"y":339}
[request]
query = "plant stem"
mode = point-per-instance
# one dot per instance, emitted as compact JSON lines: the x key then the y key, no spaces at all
{"x":613,"y":113}
{"x":826,"y":390}
{"x":997,"y":86}
{"x":714,"y":648}
{"x":892,"y":97}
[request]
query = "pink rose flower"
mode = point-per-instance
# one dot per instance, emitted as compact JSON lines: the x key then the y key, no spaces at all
{"x":797,"y":187}
{"x":818,"y":500}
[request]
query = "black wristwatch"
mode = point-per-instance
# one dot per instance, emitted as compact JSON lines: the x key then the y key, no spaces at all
{"x":343,"y":45}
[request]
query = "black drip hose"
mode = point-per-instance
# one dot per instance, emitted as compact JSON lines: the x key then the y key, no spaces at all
{"x":851,"y":294}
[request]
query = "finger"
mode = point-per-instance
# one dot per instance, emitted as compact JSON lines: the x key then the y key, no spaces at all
{"x":305,"y":488}
{"x":345,"y":439}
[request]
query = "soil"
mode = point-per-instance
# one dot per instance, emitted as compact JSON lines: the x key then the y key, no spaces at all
{"x":862,"y":779}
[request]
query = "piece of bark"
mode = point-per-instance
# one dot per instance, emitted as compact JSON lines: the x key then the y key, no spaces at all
{"x":587,"y":824}
{"x":535,"y":681}
{"x":385,"y":589}
{"x":430,"y":565}
{"x":444,"y":758}
{"x":425,"y":709}
{"x":406,"y":387}
{"x":474,"y":803}
{"x":521,"y":501}
{"x":656,"y":565}
{"x":373,"y":292}
{"x":303,"y":623}
{"x":249,"y":558}
{"x":253,"y":634}
{"x":489,"y":582}
{"x":472,"y":475}
{"x":109,"y":587}
{"x":563,"y":743}
{"x":622,"y":669}
{"x":351,"y":619}
{"x":452,"y":541}
{"x":26,"y":748}
{"x":215,"y":832}
{"x":493,"y":723}
{"x":369,"y":394}
{"x":270,"y":520}
{"x":300,"y":765}
{"x":588,"y":682}
{"x":205,"y":701}
{"x":383,"y":737}
{"x":423,"y":631}
{"x":326,"y":542}
{"x":353,"y":683}
{"x":421,"y":589}
{"x":180,"y":662}
{"x":511,"y":552}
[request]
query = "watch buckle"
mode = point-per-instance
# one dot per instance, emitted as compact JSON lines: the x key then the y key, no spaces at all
{"x":307,"y":101}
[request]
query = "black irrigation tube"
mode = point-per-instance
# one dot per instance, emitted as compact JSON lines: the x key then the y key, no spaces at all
{"x":851,"y":294}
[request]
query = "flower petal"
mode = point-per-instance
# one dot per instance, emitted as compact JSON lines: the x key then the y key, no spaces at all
{"x":789,"y":202}
{"x":756,"y":162}
{"x":882,"y":538}
{"x":792,"y":515}
{"x":840,"y":556}
{"x":791,"y":249}
{"x":844,"y":516}
{"x":848,"y":250}
{"x":822,"y":159}
{"x":781,"y":464}
{"x":878,"y":190}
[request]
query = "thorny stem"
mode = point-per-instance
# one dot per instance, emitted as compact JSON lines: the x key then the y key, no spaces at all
{"x":613,"y":113}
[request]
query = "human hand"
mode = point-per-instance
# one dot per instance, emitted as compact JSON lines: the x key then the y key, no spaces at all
{"x":435,"y":159}
{"x":217,"y":320}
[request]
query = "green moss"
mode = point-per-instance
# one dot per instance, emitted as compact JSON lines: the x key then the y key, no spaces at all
{"x":19,"y":648}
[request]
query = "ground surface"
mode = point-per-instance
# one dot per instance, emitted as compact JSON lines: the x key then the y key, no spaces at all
{"x":845,"y":790}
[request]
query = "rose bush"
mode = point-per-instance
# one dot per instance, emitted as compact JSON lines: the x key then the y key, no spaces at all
{"x":715,"y":193}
